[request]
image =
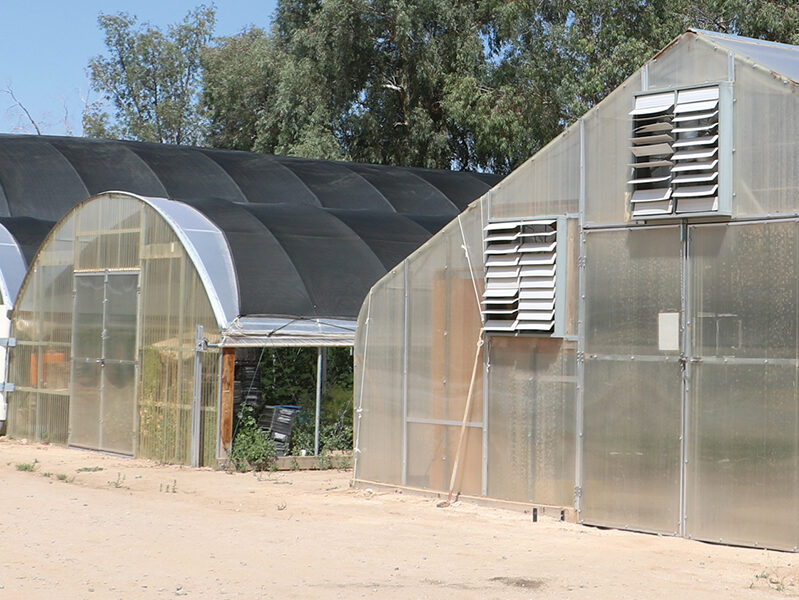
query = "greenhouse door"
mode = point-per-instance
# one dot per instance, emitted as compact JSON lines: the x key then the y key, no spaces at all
{"x":633,"y":379}
{"x":103,"y":398}
{"x":742,"y":375}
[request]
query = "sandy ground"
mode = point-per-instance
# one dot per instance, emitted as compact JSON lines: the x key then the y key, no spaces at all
{"x":88,"y":525}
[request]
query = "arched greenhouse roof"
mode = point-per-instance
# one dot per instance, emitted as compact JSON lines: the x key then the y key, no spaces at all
{"x":307,"y":238}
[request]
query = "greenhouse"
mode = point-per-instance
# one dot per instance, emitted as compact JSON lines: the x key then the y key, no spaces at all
{"x":614,"y":328}
{"x":129,"y":305}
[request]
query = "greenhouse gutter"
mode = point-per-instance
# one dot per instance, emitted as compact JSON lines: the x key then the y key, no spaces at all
{"x":256,"y":332}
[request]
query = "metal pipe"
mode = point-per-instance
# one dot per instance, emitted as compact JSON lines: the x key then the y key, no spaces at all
{"x":196,"y":409}
{"x":318,"y":401}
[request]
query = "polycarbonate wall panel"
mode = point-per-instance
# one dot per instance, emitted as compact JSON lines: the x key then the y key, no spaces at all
{"x":631,"y":460}
{"x":690,"y":61}
{"x":39,"y":365}
{"x":743,"y":464}
{"x":173,"y":303}
{"x":547,"y":184}
{"x":444,"y":327}
{"x":117,"y":243}
{"x":742,"y":476}
{"x":766,"y":134}
{"x":632,"y":397}
{"x":631,"y":278}
{"x":745,"y":293}
{"x":443,"y":333}
{"x":531,"y":420}
{"x":432,"y":450}
{"x":607,"y":154}
{"x":379,"y":358}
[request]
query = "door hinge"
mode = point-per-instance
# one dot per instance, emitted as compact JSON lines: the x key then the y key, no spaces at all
{"x":9,"y":342}
{"x":6,"y":386}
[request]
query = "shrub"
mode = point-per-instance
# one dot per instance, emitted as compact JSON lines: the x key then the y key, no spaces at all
{"x":253,"y":449}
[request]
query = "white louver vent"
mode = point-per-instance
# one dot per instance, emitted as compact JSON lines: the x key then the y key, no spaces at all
{"x":521,"y":259}
{"x":679,"y":158}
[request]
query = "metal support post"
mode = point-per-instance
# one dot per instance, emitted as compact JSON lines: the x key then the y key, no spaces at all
{"x":196,"y":405}
{"x":320,"y":376}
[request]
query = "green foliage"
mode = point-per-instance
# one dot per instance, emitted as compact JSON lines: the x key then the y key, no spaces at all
{"x":151,"y":79}
{"x":27,"y":466}
{"x":469,"y":84}
{"x":479,"y":84}
{"x":289,"y":377}
{"x":356,"y":79}
{"x":253,"y":449}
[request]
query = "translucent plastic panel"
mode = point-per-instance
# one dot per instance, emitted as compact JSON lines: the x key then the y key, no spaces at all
{"x":632,"y":277}
{"x":607,"y":154}
{"x":88,"y":337}
{"x":547,"y":184}
{"x":118,"y":407}
{"x":766,"y":133}
{"x":120,"y":316}
{"x":531,"y":420}
{"x":444,"y":322}
{"x":84,"y":413}
{"x":742,"y":466}
{"x":173,"y":303}
{"x":378,"y":386}
{"x":432,"y":450}
{"x":427,"y":326}
{"x":745,"y":294}
{"x":631,"y":461}
{"x":690,"y":61}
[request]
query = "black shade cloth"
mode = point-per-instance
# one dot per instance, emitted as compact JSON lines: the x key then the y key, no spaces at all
{"x":307,"y":237}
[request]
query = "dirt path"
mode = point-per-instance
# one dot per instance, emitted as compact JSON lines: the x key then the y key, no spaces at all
{"x":87,"y":525}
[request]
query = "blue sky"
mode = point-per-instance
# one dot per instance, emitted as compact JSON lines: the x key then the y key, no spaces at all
{"x":45,"y":46}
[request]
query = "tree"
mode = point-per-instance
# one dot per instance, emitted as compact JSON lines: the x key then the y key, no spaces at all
{"x":478,"y":84}
{"x":357,"y":79}
{"x":151,"y":79}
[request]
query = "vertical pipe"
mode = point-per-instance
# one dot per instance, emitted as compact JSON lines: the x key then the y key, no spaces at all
{"x":686,"y":352}
{"x":318,"y":401}
{"x":405,"y":360}
{"x":196,"y":404}
{"x":580,"y":366}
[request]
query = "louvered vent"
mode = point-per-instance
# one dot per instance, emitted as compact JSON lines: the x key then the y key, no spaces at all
{"x":677,"y":154}
{"x":521,"y":259}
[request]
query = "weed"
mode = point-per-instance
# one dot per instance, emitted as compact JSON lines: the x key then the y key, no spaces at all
{"x":169,"y":488}
{"x":88,"y":469}
{"x":64,"y":477}
{"x":118,"y":482}
{"x":253,"y":449}
{"x":27,"y":466}
{"x":48,"y":474}
{"x":324,"y":462}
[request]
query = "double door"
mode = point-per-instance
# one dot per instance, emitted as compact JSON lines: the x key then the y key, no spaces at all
{"x":691,"y":413}
{"x":102,"y":412}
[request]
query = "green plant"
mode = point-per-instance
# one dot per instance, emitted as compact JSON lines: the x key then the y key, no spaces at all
{"x":253,"y":449}
{"x":88,"y":469}
{"x":27,"y":466}
{"x":64,"y":477}
{"x":118,"y":482}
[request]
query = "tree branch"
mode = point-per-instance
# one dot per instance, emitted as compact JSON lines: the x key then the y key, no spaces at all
{"x":10,"y":92}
